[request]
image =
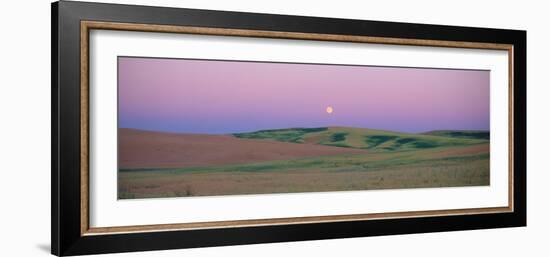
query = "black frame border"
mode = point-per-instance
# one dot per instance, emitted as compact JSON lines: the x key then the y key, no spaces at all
{"x":66,"y":236}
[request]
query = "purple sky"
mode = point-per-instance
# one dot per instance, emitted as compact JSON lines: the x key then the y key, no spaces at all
{"x":226,"y":96}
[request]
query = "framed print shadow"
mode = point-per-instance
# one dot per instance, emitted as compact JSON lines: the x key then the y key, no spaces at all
{"x":178,"y":128}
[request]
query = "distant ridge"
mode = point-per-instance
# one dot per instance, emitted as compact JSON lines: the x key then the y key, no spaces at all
{"x":475,"y":134}
{"x":363,"y":138}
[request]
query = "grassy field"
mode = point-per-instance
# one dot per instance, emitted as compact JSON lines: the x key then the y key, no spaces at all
{"x":379,"y":140}
{"x":386,"y":160}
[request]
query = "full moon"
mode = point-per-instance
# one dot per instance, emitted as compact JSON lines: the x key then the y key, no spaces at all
{"x":329,"y":109}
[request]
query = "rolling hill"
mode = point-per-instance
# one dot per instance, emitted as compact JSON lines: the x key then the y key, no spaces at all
{"x":147,"y":149}
{"x":474,"y":134}
{"x":160,"y":164}
{"x":377,"y":140}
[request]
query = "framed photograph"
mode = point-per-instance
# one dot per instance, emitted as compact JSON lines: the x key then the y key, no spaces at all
{"x":178,"y":128}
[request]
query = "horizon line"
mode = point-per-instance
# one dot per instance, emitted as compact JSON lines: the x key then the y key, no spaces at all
{"x":290,"y":128}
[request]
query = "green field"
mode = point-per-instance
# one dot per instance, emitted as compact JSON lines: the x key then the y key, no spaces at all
{"x":390,"y":160}
{"x":378,"y":140}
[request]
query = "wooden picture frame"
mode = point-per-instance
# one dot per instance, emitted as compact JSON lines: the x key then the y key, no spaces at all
{"x":71,"y":26}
